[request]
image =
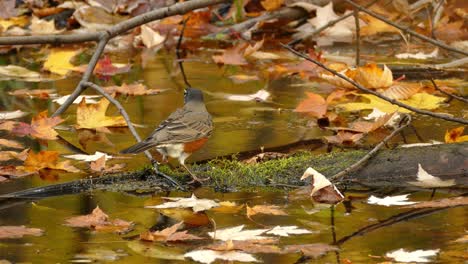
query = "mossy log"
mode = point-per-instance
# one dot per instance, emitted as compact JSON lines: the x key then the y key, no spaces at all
{"x":389,"y":168}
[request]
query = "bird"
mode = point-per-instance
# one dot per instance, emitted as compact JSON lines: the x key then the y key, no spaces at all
{"x":184,"y":131}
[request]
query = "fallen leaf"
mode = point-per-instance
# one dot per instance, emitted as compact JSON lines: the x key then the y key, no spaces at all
{"x":323,"y":191}
{"x":187,"y":216}
{"x":419,"y":55}
{"x":271,"y":5}
{"x":367,"y":127}
{"x":236,"y":233}
{"x":41,"y":127}
{"x":132,"y":89}
{"x":19,"y":232}
{"x":12,"y":115}
{"x":89,"y":99}
{"x":419,"y":100}
{"x":10,"y":143}
{"x":168,"y":234}
{"x":105,"y":67}
{"x":455,"y":135}
{"x":242,"y":78}
{"x":193,"y":202}
{"x":9,"y":155}
{"x":153,"y":250}
{"x":426,"y":180}
{"x":8,"y":9}
{"x":463,"y":239}
{"x":374,"y":26}
{"x":285,"y":231}
{"x":94,"y":116}
{"x":402,"y":90}
{"x":344,"y":138}
{"x":18,"y":72}
{"x":85,"y":136}
{"x":209,"y":256}
{"x":13,"y":171}
{"x":264,"y":209}
{"x":249,"y":246}
{"x":446,"y":202}
{"x":232,"y":56}
{"x":228,"y":207}
{"x":99,"y":221}
{"x":390,"y":200}
{"x":310,"y":250}
{"x":150,"y":38}
{"x":97,"y":155}
{"x":46,"y":160}
{"x":40,"y":26}
{"x":259,"y":96}
{"x":36,"y":93}
{"x":100,"y":166}
{"x":58,"y":60}
{"x":19,"y":21}
{"x":371,"y":76}
{"x":402,"y":255}
{"x":314,"y":106}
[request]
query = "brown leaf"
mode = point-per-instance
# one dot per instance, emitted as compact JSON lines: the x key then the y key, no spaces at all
{"x":132,"y":89}
{"x":18,"y":231}
{"x":99,"y":221}
{"x":27,"y":93}
{"x":366,"y":127}
{"x":228,"y":208}
{"x":264,"y":209}
{"x":344,"y":138}
{"x":446,"y":202}
{"x":12,"y":171}
{"x":271,"y":5}
{"x":87,"y":135}
{"x":168,"y":234}
{"x":371,"y":76}
{"x":328,"y":195}
{"x":314,"y":106}
{"x":100,"y":166}
{"x":7,"y":9}
{"x":187,"y":216}
{"x":42,"y":127}
{"x":232,"y":56}
{"x":8,"y":125}
{"x":250,"y":246}
{"x":310,"y":250}
{"x":10,"y":143}
{"x":402,"y":90}
{"x":9,"y":155}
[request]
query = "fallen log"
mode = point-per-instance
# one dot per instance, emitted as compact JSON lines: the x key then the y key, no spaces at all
{"x":389,"y":168}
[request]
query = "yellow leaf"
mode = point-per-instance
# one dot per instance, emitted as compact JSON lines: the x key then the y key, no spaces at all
{"x":94,"y":116}
{"x":271,"y":5}
{"x":455,"y":135}
{"x":371,"y":76}
{"x":375,"y":26}
{"x":14,"y":21}
{"x":58,"y":61}
{"x":419,"y":100}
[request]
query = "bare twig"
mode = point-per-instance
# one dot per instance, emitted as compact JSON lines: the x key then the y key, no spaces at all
{"x":370,"y":154}
{"x":358,"y":37}
{"x":406,"y":29}
{"x":122,"y":111}
{"x":448,"y":94}
{"x":364,"y":89}
{"x":452,"y":64}
{"x":329,"y":24}
{"x":179,"y":58}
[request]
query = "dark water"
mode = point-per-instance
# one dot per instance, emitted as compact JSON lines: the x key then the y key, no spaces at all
{"x":239,"y":126}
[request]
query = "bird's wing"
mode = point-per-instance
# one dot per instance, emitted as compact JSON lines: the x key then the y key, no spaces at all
{"x":183,"y":126}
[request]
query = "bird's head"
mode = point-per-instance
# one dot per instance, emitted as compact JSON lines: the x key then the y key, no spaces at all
{"x":193,"y":95}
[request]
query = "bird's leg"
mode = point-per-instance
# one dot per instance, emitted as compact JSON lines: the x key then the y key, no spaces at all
{"x":195,"y":178}
{"x":156,"y":171}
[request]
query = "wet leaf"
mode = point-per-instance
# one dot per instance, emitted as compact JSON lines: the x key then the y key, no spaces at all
{"x":20,"y":73}
{"x":371,"y":76}
{"x":264,"y":209}
{"x":375,"y":26}
{"x":89,"y":99}
{"x":271,"y":5}
{"x":232,"y":56}
{"x":390,"y":200}
{"x":40,"y":26}
{"x":259,"y":96}
{"x":10,"y":143}
{"x":12,"y":115}
{"x":94,"y":116}
{"x":446,"y":202}
{"x":150,"y":38}
{"x":426,"y":180}
{"x":402,"y":255}
{"x":37,"y":93}
{"x":100,"y":166}
{"x":97,"y":155}
{"x":323,"y":191}
{"x":228,"y":208}
{"x":455,"y":135}
{"x":156,"y":251}
{"x":46,"y":160}
{"x":19,"y":232}
{"x":249,"y":246}
{"x":168,"y":234}
{"x":41,"y":127}
{"x":105,"y":67}
{"x":419,"y":55}
{"x":12,"y":171}
{"x":310,"y":250}
{"x":237,"y":233}
{"x":366,"y":127}
{"x":314,"y":106}
{"x":58,"y":60}
{"x":132,"y":89}
{"x":285,"y":231}
{"x":85,"y":136}
{"x":99,"y":221}
{"x":193,"y":202}
{"x":187,"y":215}
{"x":402,"y":90}
{"x":419,"y":100}
{"x":344,"y":138}
{"x":209,"y":256}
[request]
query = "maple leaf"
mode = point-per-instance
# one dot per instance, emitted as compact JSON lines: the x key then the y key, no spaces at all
{"x":402,"y":255}
{"x":232,"y":56}
{"x":236,"y":233}
{"x":285,"y":231}
{"x":99,"y":165}
{"x":105,"y":67}
{"x":41,"y":127}
{"x":426,"y":180}
{"x":209,"y":256}
{"x":344,"y":138}
{"x":58,"y":60}
{"x":371,"y":76}
{"x":132,"y":89}
{"x":99,"y":221}
{"x":314,"y":106}
{"x":193,"y":202}
{"x":94,"y":116}
{"x":38,"y":93}
{"x":187,"y":215}
{"x":46,"y":160}
{"x":264,"y":209}
{"x":455,"y":135}
{"x":19,"y":231}
{"x":168,"y":234}
{"x":323,"y":191}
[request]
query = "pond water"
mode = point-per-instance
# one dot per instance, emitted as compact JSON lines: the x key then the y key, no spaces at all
{"x":239,"y":127}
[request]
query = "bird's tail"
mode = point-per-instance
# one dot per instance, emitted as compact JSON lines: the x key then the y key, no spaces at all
{"x":138,"y":147}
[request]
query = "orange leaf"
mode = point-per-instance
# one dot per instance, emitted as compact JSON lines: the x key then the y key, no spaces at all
{"x":401,"y":91}
{"x":371,"y":76}
{"x":94,"y":116}
{"x":264,"y":209}
{"x":232,"y":56}
{"x":315,"y":105}
{"x":455,"y":135}
{"x":344,"y":138}
{"x":168,"y":234}
{"x":99,"y":221}
{"x":41,"y":127}
{"x":271,"y":5}
{"x":46,"y":159}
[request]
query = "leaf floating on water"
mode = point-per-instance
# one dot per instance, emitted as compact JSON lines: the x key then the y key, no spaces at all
{"x":249,"y":246}
{"x":46,"y":160}
{"x":89,"y":99}
{"x":169,"y":234}
{"x":152,"y":250}
{"x":390,"y":200}
{"x":97,"y":155}
{"x":323,"y":191}
{"x":418,"y":56}
{"x":41,"y":127}
{"x":402,"y":255}
{"x":209,"y":256}
{"x":264,"y":209}
{"x":19,"y":231}
{"x":94,"y":116}
{"x":99,"y":221}
{"x":19,"y":72}
{"x":371,"y":76}
{"x":426,"y":180}
{"x":285,"y":231}
{"x":237,"y":233}
{"x":446,"y":202}
{"x":58,"y":60}
{"x":193,"y":202}
{"x":12,"y":115}
{"x":259,"y":96}
{"x":314,"y":105}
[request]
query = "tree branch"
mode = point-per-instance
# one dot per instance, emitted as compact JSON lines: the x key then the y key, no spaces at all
{"x":448,"y":94}
{"x":364,"y":89}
